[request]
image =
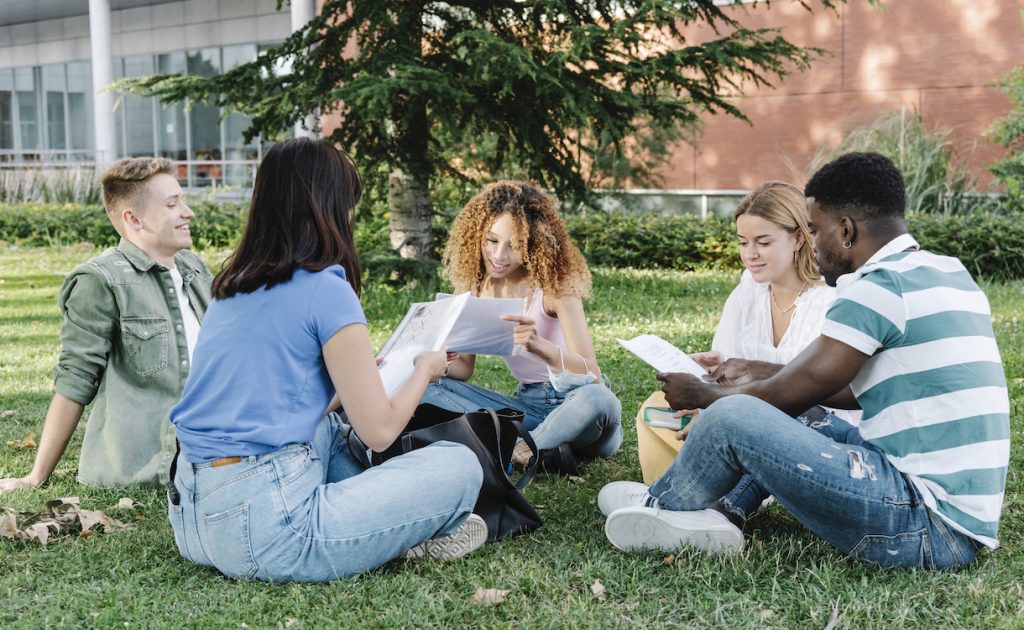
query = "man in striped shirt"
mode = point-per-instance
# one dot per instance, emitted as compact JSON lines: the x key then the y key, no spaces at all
{"x":919,"y":482}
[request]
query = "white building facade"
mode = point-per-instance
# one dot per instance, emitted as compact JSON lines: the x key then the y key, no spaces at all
{"x":55,"y":53}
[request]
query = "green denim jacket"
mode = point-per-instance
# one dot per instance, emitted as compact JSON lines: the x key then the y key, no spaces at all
{"x":123,"y":349}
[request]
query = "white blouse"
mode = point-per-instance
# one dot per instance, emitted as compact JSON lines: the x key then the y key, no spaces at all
{"x":745,"y":330}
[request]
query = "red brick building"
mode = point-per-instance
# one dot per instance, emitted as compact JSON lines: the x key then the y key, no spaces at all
{"x":938,"y":56}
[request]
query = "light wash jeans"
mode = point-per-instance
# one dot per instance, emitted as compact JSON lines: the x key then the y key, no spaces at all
{"x":587,"y":418}
{"x":309,"y":512}
{"x":840,"y":487}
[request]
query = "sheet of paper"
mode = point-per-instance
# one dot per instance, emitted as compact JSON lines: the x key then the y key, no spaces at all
{"x":480,"y":329}
{"x":397,"y":367}
{"x":661,"y":355}
{"x":461,"y":323}
{"x":426,"y":325}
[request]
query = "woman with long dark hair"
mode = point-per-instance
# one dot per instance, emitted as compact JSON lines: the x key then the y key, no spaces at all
{"x":266,"y":487}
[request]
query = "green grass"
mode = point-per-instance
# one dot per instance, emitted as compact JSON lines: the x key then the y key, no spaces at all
{"x":784,"y":578}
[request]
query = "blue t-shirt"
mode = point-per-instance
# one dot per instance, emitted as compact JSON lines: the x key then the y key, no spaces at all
{"x":258,"y":379}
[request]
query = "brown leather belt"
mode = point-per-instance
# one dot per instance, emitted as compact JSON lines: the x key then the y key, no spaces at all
{"x":225,"y":461}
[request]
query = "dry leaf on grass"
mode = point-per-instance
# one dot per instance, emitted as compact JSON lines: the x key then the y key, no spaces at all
{"x":669,"y":560}
{"x":40,"y":532}
{"x":597,"y":589}
{"x":8,"y":525}
{"x":834,"y":619}
{"x":6,"y":413}
{"x":62,"y":517}
{"x":488,"y":596}
{"x":127,"y":503}
{"x":291,"y":621}
{"x":28,"y":442}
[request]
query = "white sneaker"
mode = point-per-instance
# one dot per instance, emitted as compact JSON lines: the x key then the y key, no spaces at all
{"x":636,"y":528}
{"x":622,"y":494}
{"x":469,"y":537}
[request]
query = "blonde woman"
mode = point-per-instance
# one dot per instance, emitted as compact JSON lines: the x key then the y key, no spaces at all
{"x":510,"y":242}
{"x":777,"y":309}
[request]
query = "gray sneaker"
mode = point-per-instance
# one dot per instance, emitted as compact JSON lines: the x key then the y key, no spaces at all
{"x":636,"y":528}
{"x":469,"y":537}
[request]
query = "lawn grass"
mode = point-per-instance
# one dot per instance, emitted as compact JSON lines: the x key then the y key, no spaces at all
{"x":784,"y":578}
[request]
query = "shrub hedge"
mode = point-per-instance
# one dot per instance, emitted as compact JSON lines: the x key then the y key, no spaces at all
{"x":990,"y":245}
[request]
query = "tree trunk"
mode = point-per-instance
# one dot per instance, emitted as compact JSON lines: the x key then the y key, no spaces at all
{"x":410,"y":210}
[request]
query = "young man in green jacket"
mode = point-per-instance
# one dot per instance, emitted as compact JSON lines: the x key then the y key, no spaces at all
{"x":131,"y":319}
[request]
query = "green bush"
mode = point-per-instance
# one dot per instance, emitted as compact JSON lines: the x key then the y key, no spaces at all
{"x":651,"y":241}
{"x":1008,"y":131}
{"x":991,"y":245}
{"x":39,"y":224}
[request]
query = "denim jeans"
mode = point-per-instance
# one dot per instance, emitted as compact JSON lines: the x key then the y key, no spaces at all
{"x":309,"y":512}
{"x":841,"y":488}
{"x":587,"y":418}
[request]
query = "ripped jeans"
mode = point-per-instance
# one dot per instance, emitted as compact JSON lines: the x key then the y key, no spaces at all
{"x":838,"y":486}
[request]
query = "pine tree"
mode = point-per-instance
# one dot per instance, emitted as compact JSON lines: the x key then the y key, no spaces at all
{"x":567,"y":93}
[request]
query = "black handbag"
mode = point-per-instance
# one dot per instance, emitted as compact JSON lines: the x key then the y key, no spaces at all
{"x":491,"y":435}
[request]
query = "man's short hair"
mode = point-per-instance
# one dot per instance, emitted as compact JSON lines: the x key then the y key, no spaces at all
{"x":125,"y":180}
{"x":863,"y":185}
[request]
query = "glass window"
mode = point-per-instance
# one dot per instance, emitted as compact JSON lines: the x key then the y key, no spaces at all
{"x":25,"y":85}
{"x":139,"y":130}
{"x":6,"y":110}
{"x":235,"y":56}
{"x":235,"y":124}
{"x":54,"y":85}
{"x":172,"y":140}
{"x":80,"y":112}
{"x":204,"y":121}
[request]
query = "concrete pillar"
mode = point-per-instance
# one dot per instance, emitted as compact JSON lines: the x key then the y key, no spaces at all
{"x":102,"y":76}
{"x":302,"y":12}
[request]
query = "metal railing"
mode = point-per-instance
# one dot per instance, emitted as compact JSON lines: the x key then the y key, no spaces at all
{"x":703,"y":202}
{"x":191,"y":173}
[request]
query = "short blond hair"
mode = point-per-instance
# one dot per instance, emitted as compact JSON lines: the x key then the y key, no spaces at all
{"x":125,"y":180}
{"x":785,"y":205}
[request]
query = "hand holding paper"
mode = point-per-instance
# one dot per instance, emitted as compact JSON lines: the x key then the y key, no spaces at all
{"x":463,"y":323}
{"x":686,"y":391}
{"x":662,"y":356}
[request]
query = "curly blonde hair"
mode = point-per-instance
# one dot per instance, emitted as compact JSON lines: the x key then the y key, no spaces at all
{"x":551,"y":260}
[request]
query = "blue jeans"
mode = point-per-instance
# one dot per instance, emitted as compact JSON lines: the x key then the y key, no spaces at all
{"x":587,"y":418}
{"x":310,"y":513}
{"x":841,"y":488}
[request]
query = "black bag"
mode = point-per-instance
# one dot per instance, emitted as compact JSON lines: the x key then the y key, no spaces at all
{"x":491,"y":435}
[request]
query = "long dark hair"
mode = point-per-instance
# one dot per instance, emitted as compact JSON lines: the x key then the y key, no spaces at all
{"x":300,"y":218}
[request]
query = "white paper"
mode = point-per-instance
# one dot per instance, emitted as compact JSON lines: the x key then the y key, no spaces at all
{"x":425,"y":325}
{"x":661,"y":355}
{"x":462,"y":323}
{"x":397,"y":367}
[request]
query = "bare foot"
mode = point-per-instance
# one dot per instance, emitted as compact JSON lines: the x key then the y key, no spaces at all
{"x":521,"y":454}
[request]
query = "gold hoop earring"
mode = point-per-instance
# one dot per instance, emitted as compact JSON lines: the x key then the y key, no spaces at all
{"x":847,"y":244}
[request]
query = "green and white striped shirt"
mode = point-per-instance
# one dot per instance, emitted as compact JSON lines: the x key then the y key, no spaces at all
{"x":933,"y":390}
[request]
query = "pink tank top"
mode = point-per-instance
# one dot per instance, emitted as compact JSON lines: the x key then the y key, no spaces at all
{"x":527,"y":367}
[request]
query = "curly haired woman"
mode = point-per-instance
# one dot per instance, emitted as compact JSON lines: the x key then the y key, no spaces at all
{"x":509,"y":242}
